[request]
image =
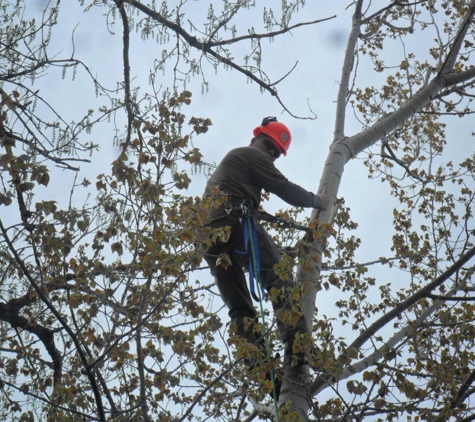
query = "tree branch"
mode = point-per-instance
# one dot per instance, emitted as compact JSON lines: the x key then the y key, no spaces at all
{"x":449,"y":62}
{"x":207,"y":47}
{"x":381,"y":260}
{"x":461,"y":395}
{"x":205,"y":390}
{"x":443,"y":79}
{"x":385,"y":9}
{"x":326,"y":379}
{"x":378,"y":354}
{"x":140,"y":359}
{"x":48,"y":402}
{"x":61,"y":321}
{"x":392,"y":156}
{"x":451,"y":298}
{"x":342,"y":96}
{"x":267,"y":34}
{"x":37,"y":66}
{"x":422,"y":293}
{"x":125,"y":57}
{"x":9,"y":313}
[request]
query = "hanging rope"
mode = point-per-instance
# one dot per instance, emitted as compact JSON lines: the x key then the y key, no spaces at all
{"x":252,"y":249}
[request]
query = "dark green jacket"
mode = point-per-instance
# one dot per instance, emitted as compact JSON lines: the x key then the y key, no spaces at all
{"x":245,"y":172}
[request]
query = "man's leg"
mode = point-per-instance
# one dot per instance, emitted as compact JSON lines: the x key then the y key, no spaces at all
{"x":232,"y":284}
{"x":269,"y":255}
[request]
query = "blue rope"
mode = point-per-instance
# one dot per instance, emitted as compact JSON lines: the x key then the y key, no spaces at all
{"x":250,"y":238}
{"x":252,"y":249}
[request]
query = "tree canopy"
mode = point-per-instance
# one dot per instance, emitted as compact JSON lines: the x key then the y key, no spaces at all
{"x":107,"y":312}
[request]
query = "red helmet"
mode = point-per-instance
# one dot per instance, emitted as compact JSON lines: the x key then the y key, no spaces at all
{"x":277,"y":131}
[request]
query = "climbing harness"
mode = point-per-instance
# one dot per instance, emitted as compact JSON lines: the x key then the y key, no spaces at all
{"x":252,"y":249}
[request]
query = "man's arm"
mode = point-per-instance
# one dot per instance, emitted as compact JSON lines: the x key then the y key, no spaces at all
{"x":299,"y":197}
{"x":266,"y":175}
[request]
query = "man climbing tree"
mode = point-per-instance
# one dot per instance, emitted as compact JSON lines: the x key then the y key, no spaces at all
{"x":236,"y":185}
{"x":105,"y":314}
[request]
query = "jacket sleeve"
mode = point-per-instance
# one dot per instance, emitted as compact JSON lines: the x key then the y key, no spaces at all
{"x":266,"y":175}
{"x":297,"y":196}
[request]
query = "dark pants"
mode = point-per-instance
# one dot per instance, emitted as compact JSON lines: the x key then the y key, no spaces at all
{"x":233,"y":286}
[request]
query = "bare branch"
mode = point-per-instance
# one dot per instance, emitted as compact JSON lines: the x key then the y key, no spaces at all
{"x":268,"y":34}
{"x":224,"y":22}
{"x":287,"y":74}
{"x":207,"y":47}
{"x":343,"y":90}
{"x":126,"y":62}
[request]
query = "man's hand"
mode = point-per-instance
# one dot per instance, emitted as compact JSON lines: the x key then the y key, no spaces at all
{"x":324,"y":201}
